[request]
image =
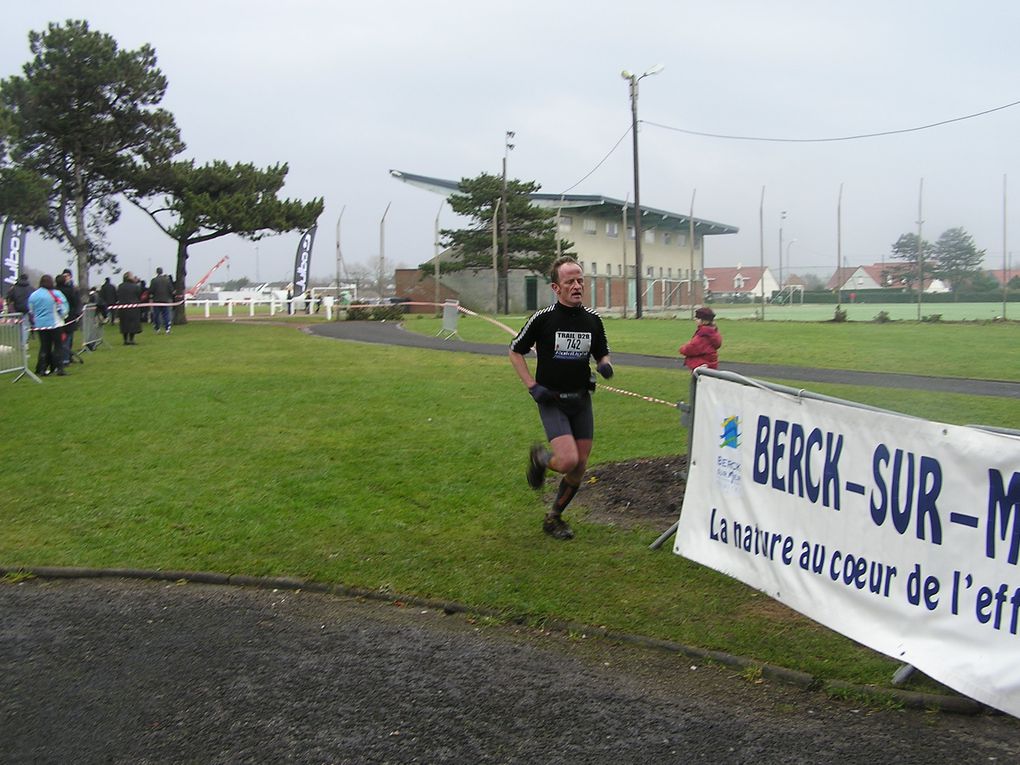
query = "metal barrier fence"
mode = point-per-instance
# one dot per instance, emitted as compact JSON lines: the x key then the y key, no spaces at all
{"x":14,"y":345}
{"x":91,"y":328}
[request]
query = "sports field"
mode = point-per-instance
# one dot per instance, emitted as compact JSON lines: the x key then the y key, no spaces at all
{"x":258,"y":449}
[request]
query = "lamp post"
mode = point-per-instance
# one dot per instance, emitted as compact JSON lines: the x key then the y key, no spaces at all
{"x":339,"y":257}
{"x":633,"y":79}
{"x":504,"y":293}
{"x":382,"y":250}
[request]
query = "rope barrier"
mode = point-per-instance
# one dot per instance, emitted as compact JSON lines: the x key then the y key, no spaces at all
{"x":602,"y":386}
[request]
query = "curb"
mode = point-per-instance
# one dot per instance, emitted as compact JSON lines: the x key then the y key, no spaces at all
{"x":909,"y":699}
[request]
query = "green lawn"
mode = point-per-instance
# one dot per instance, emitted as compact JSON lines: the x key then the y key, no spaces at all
{"x":984,"y":350}
{"x":252,"y":449}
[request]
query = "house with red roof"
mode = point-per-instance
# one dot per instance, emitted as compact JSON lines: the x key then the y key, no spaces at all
{"x":741,"y":281}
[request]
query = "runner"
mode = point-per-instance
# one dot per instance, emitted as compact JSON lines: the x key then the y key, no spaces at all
{"x":566,"y":334}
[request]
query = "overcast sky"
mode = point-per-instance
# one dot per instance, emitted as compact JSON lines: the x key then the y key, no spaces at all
{"x":345,"y":91}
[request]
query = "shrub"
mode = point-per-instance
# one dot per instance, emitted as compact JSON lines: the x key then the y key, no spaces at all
{"x":357,"y":311}
{"x":932,"y":318}
{"x":882,"y":317}
{"x":840,"y":315}
{"x":387,"y":313}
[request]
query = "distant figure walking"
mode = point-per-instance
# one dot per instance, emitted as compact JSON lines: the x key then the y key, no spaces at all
{"x":129,"y":293}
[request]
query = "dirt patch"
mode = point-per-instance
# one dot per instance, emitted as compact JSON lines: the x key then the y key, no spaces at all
{"x":643,"y":493}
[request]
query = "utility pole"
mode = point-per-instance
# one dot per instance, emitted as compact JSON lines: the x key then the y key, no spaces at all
{"x":690,"y":237}
{"x":633,"y":79}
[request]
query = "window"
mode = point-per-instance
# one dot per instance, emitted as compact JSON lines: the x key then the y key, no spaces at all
{"x":619,"y":270}
{"x":650,"y":236}
{"x":594,"y":268}
{"x":681,"y":240}
{"x":630,"y":232}
{"x":612,"y":228}
{"x":669,"y":273}
{"x":589,"y":226}
{"x":667,"y":237}
{"x":660,"y":272}
{"x":566,"y":223}
{"x":651,"y":272}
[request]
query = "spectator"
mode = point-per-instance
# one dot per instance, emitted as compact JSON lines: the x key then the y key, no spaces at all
{"x":129,"y":293}
{"x":703,"y":348}
{"x":74,"y":307}
{"x":107,"y":298}
{"x":17,"y":299}
{"x":161,"y":290}
{"x":47,"y":308}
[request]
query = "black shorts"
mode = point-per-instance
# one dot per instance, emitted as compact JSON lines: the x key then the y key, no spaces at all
{"x":569,"y":418}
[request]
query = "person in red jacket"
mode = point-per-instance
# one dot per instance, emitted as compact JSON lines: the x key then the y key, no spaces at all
{"x":703,"y":348}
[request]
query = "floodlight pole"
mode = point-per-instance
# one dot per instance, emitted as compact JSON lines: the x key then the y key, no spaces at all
{"x":920,"y":248}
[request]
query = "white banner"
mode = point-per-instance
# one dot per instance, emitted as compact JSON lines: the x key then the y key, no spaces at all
{"x":901,"y":534}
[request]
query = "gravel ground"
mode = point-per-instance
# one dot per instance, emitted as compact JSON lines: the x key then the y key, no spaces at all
{"x":121,"y":671}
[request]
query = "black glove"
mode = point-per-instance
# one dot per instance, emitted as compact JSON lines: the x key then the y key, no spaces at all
{"x":541,"y":394}
{"x":605,"y":369}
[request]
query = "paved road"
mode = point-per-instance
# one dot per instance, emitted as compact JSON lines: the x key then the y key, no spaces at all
{"x":390,"y":333}
{"x":119,"y":671}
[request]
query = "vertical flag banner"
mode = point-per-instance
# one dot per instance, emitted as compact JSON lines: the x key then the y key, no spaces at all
{"x":900,"y":533}
{"x":12,"y":255}
{"x":303,"y":261}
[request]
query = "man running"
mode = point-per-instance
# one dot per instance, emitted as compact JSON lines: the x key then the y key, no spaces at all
{"x":566,"y":334}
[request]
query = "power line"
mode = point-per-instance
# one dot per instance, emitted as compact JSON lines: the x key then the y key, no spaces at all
{"x":830,"y":140}
{"x":601,"y":162}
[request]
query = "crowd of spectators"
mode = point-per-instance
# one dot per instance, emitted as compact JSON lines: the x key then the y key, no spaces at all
{"x":55,"y":310}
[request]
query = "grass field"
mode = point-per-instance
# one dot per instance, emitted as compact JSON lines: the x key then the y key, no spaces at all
{"x":259,"y":449}
{"x":984,"y":350}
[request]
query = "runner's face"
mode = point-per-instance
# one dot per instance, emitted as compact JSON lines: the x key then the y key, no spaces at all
{"x":570,"y":288}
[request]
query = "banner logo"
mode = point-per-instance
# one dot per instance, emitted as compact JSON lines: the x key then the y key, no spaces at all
{"x":303,"y":261}
{"x":12,"y":255}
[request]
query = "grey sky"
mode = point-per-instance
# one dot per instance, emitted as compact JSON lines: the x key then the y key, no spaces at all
{"x":344,"y":91}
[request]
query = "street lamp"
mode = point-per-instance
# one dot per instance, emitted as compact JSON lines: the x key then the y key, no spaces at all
{"x":633,"y":79}
{"x":382,"y":250}
{"x":339,"y":256}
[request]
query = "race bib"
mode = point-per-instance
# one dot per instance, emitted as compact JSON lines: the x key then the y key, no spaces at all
{"x":572,"y":345}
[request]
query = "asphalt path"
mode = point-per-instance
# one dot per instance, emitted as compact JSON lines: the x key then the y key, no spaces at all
{"x":124,"y":671}
{"x":391,"y":333}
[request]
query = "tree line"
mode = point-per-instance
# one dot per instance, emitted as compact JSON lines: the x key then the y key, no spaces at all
{"x":953,"y":258}
{"x":82,"y":129}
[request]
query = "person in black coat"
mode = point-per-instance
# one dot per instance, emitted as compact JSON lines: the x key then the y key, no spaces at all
{"x":107,"y":297}
{"x":73,"y":295}
{"x":129,"y":293}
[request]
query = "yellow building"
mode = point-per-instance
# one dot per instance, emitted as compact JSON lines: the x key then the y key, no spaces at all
{"x":602,"y":230}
